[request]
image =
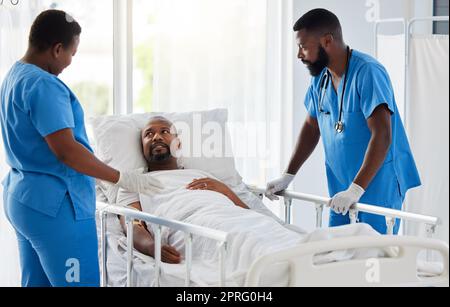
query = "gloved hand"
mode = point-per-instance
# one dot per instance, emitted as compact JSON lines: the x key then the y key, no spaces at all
{"x":342,"y":202}
{"x":138,"y":182}
{"x":278,"y":185}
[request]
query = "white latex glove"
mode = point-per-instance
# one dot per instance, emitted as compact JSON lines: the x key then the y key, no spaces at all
{"x":342,"y":202}
{"x":138,"y":182}
{"x":278,"y":185}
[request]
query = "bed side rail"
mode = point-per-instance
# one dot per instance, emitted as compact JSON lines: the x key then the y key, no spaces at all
{"x":157,"y":223}
{"x":320,"y":202}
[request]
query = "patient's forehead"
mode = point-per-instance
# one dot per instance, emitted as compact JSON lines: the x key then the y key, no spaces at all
{"x":159,"y":122}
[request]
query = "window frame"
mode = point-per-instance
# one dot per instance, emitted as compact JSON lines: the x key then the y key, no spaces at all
{"x":123,"y":57}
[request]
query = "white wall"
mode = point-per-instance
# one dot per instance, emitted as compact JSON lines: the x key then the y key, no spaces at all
{"x":356,"y":17}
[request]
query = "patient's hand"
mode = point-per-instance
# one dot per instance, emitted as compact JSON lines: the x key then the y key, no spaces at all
{"x":168,"y":254}
{"x":210,"y":185}
{"x":216,"y":186}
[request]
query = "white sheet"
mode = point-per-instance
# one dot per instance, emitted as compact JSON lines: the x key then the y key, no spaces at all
{"x":252,"y":235}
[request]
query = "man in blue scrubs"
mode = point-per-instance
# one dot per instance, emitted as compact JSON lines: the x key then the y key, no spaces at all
{"x":351,"y":105}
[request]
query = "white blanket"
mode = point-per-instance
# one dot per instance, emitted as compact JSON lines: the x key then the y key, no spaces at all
{"x":251,"y":235}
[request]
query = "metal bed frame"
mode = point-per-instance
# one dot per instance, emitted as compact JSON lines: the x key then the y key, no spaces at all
{"x":156,"y":223}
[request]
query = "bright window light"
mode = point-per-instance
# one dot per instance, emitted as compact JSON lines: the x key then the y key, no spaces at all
{"x":143,"y":54}
{"x":91,"y":74}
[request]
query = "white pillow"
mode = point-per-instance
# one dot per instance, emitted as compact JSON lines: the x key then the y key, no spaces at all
{"x":204,"y":136}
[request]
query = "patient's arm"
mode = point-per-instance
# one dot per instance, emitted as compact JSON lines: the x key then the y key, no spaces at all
{"x":144,"y":242}
{"x":219,"y":187}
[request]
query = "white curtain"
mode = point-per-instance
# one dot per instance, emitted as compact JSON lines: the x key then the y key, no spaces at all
{"x":428,"y":127}
{"x":15,"y":22}
{"x":228,"y":54}
{"x":391,"y":53}
{"x":426,"y":120}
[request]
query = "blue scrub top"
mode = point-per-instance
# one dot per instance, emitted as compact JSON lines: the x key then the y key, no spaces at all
{"x":35,"y":104}
{"x":368,"y":86}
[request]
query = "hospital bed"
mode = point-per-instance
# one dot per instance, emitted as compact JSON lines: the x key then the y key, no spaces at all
{"x":115,"y":139}
{"x":396,"y":271}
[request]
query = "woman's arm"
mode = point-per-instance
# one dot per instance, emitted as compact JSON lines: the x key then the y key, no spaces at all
{"x":76,"y":156}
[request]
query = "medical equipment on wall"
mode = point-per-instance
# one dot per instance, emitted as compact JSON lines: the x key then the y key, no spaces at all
{"x":339,"y":126}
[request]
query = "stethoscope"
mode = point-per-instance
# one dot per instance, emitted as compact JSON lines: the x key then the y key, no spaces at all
{"x":339,"y":126}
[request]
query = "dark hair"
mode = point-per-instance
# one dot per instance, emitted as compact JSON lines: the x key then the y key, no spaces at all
{"x":320,"y":21}
{"x":52,"y":27}
{"x":162,"y":119}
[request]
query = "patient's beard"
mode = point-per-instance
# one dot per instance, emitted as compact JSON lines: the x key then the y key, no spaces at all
{"x":157,"y":158}
{"x":160,"y":157}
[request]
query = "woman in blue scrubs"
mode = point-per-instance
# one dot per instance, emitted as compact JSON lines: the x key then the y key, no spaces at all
{"x":49,"y":193}
{"x":351,"y":105}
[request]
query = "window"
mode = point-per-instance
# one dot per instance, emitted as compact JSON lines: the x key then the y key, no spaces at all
{"x":440,"y":8}
{"x":143,"y":51}
{"x":91,"y":74}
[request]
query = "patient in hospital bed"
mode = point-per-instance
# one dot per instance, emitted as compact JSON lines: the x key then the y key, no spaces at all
{"x":159,"y":140}
{"x":195,"y":197}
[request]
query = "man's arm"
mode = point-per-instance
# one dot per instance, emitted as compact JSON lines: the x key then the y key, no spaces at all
{"x":307,"y":141}
{"x":236,"y":200}
{"x":380,"y":126}
{"x":219,"y":187}
{"x":144,"y":242}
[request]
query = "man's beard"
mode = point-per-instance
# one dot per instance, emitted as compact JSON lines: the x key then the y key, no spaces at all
{"x":316,"y":68}
{"x":159,"y":157}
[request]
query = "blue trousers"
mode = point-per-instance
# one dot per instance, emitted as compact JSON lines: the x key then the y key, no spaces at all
{"x":58,"y":252}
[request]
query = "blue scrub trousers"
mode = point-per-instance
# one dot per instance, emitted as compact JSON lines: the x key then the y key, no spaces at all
{"x":58,"y":252}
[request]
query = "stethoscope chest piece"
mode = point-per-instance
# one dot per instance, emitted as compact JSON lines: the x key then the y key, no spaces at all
{"x":339,"y":127}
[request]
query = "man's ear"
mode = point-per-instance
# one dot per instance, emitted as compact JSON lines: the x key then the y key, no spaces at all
{"x":175,"y":143}
{"x":326,"y":40}
{"x":56,"y":50}
{"x":175,"y":147}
